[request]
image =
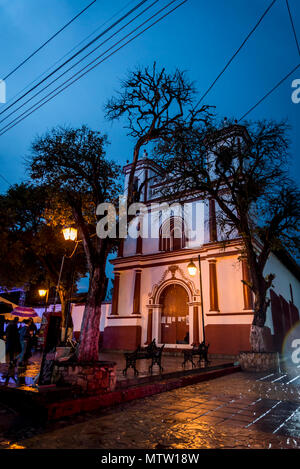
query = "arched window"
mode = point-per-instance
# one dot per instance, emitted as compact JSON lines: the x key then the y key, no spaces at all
{"x":172,"y":235}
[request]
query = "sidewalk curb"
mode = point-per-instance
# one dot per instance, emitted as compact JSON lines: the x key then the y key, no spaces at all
{"x":57,"y":410}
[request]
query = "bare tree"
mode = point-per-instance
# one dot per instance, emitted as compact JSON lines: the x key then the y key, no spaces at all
{"x":245,"y":170}
{"x":153,"y":103}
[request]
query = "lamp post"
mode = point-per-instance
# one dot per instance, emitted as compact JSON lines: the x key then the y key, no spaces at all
{"x":70,"y":234}
{"x":192,"y":269}
{"x":44,"y":294}
{"x":47,"y":364}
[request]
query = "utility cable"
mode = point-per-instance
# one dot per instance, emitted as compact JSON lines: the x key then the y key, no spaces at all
{"x":49,"y":40}
{"x":76,"y":54}
{"x":293,"y":26}
{"x":270,"y":92}
{"x":77,"y":63}
{"x":236,"y":53}
{"x":9,"y":126}
{"x":69,"y":52}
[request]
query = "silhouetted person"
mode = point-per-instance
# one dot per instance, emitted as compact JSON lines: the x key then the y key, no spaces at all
{"x":25,"y":335}
{"x":2,"y":320}
{"x":12,"y":339}
{"x":33,"y":336}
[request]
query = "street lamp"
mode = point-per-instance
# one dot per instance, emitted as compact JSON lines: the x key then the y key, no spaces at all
{"x":70,"y":234}
{"x":192,"y":269}
{"x":44,"y":293}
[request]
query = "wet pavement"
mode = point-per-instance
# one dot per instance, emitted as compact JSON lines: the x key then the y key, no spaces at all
{"x":242,"y":410}
{"x":170,"y":364}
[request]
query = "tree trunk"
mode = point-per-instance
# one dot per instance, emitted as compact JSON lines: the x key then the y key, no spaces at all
{"x":258,"y":331}
{"x":88,"y":350}
{"x":63,"y":294}
{"x":258,"y":339}
{"x":260,"y":287}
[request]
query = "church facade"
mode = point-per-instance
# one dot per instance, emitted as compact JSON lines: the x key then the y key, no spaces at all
{"x":182,"y":284}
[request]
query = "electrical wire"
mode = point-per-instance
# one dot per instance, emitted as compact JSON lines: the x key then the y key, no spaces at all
{"x":9,"y":126}
{"x":5,"y":180}
{"x":270,"y":92}
{"x":48,"y":40}
{"x":77,"y":63}
{"x":53,"y":91}
{"x":69,"y":52}
{"x":236,"y":53}
{"x":293,"y":26}
{"x":76,"y":54}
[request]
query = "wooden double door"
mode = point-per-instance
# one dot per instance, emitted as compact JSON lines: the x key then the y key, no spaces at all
{"x":175,"y":315}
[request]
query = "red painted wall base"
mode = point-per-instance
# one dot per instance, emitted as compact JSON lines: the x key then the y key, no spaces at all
{"x":122,"y":337}
{"x":228,"y":339}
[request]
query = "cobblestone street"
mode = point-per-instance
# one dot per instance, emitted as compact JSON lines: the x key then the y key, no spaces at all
{"x":236,"y":411}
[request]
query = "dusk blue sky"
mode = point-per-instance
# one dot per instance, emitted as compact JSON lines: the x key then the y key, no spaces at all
{"x":199,"y":37}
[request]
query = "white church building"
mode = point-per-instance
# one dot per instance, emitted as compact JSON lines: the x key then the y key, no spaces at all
{"x":156,"y":297}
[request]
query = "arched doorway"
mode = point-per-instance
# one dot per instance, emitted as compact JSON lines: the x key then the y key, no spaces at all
{"x":174,"y":315}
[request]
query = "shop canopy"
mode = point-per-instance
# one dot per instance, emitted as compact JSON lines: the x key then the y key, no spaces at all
{"x":23,"y":312}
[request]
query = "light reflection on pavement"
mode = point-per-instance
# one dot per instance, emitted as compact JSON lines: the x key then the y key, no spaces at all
{"x":236,"y":411}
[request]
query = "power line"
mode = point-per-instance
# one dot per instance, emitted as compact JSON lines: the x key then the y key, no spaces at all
{"x":114,"y":45}
{"x":49,"y":40}
{"x":270,"y":92}
{"x":293,"y":26}
{"x":76,"y":54}
{"x":236,"y":53}
{"x":9,"y":126}
{"x":5,"y":180}
{"x":70,"y":51}
{"x":78,"y":62}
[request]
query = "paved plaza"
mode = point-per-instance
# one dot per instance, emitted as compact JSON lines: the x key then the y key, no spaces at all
{"x":236,"y":411}
{"x":170,"y":364}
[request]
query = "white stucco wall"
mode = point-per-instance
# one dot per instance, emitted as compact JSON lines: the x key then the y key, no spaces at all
{"x":77,"y":315}
{"x":281,"y":284}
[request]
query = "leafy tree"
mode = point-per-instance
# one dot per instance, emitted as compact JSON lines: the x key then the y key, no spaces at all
{"x":72,"y":162}
{"x":245,"y":170}
{"x":32,"y":248}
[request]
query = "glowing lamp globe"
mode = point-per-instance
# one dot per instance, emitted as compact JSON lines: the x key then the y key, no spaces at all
{"x":42,"y":293}
{"x":70,"y":234}
{"x":192,"y":269}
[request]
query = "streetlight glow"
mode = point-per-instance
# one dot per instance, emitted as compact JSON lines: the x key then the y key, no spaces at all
{"x":42,"y":293}
{"x":192,"y":269}
{"x":70,"y":234}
